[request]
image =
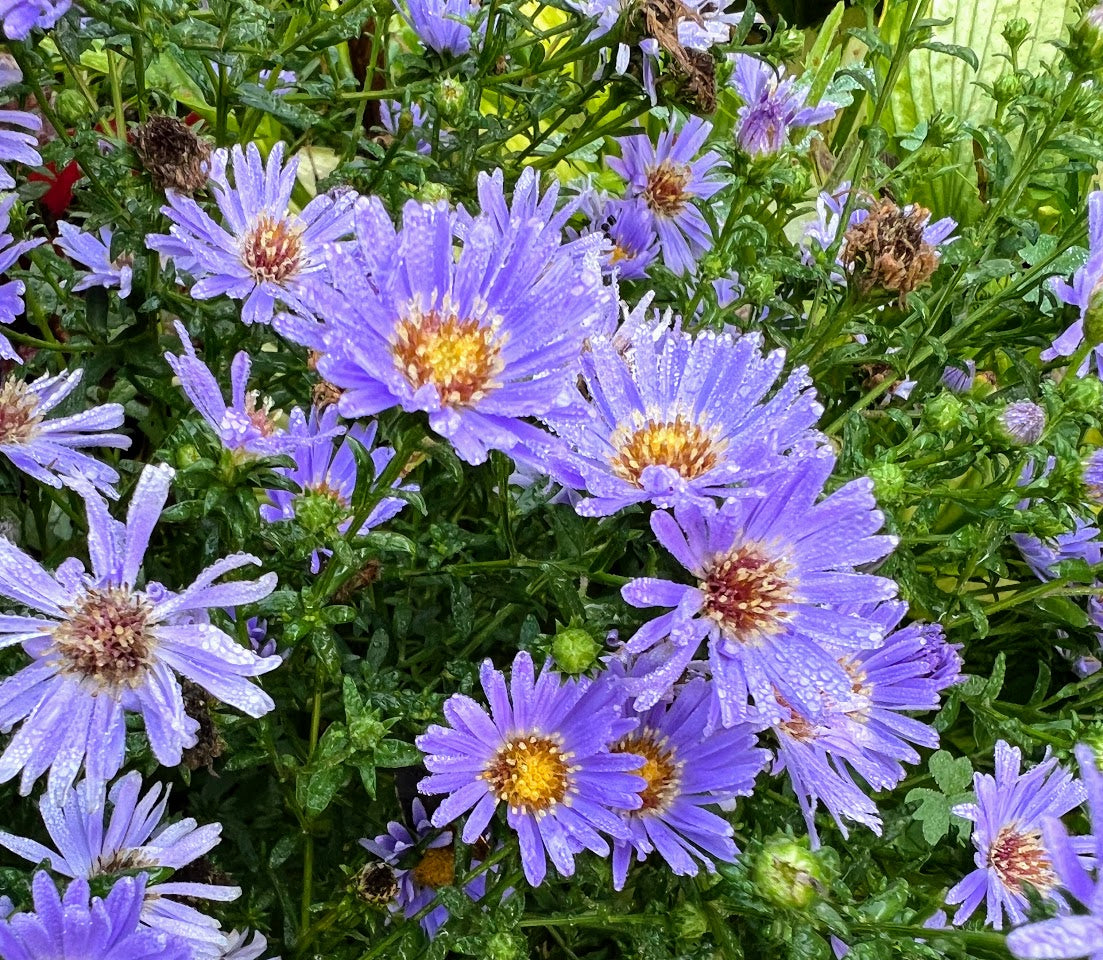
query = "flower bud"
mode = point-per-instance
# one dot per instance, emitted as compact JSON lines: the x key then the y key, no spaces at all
{"x":958,"y":380}
{"x":944,"y":413}
{"x":186,"y":456}
{"x":1083,"y":394}
{"x":71,"y":107}
{"x":1022,"y":423}
{"x":1006,"y":87}
{"x":888,"y":482}
{"x":1015,"y":32}
{"x":1085,"y":47}
{"x":1093,"y":318}
{"x":760,"y":287}
{"x":433,"y":192}
{"x":451,"y":99}
{"x":506,"y":946}
{"x":787,"y":873}
{"x":574,"y":649}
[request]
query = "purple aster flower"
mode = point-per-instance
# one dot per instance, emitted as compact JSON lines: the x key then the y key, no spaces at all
{"x":287,"y":80}
{"x":434,"y":867}
{"x":11,"y":293}
{"x":543,"y":751}
{"x":1080,"y":543}
{"x":443,"y":25}
{"x":1080,"y":935}
{"x":49,"y":449}
{"x":72,"y":928}
{"x":89,"y":845}
{"x":101,"y":647}
{"x":1083,"y":292}
{"x":398,"y":120}
{"x":17,"y":145}
{"x":958,"y":380}
{"x":686,"y":770}
{"x":1093,"y":475}
{"x":477,"y":338}
{"x":630,"y":228}
{"x":95,"y":254}
{"x":685,"y":421}
{"x":20,"y":17}
{"x":768,"y":573}
{"x":326,"y":475}
{"x":1007,"y":833}
{"x":773,"y":105}
{"x":262,"y":253}
{"x":1023,"y":422}
{"x":238,"y":949}
{"x":241,"y":426}
{"x":669,"y":177}
{"x":867,"y":732}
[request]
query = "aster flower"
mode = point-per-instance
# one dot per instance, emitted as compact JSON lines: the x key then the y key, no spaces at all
{"x":102,"y":647}
{"x":95,"y":254}
{"x":241,"y":426}
{"x":630,"y":228}
{"x":326,"y":475}
{"x":1079,"y":935}
{"x":11,"y":293}
{"x":685,"y":770}
{"x":1023,"y":422}
{"x":868,"y":732}
{"x":958,"y":380}
{"x":773,"y":105}
{"x":262,"y":253}
{"x":1083,"y":292}
{"x":1043,"y":556}
{"x":74,"y":928}
{"x":669,"y":177}
{"x":685,"y":420}
{"x":768,"y":572}
{"x":238,"y":949}
{"x":478,"y":339}
{"x":17,"y":145}
{"x":20,"y":17}
{"x":398,"y":120}
{"x":442,"y":25}
{"x":1007,"y":818}
{"x":88,"y":845}
{"x":1093,"y":475}
{"x":435,"y":867}
{"x":542,"y":751}
{"x":49,"y":449}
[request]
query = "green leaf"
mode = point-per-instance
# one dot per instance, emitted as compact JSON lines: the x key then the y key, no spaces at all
{"x":396,"y":753}
{"x":952,"y":774}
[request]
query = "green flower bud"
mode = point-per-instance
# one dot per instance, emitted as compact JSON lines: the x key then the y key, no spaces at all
{"x":320,"y":513}
{"x":760,"y":287}
{"x":1085,"y":47}
{"x":1015,"y":32}
{"x":788,"y":874}
{"x":1083,"y":394}
{"x":186,"y":456}
{"x":944,"y":413}
{"x":451,"y":99}
{"x":1007,"y":87}
{"x":433,"y":192}
{"x":574,"y":649}
{"x":1093,"y":318}
{"x":71,"y":107}
{"x":506,"y":946}
{"x":888,"y":481}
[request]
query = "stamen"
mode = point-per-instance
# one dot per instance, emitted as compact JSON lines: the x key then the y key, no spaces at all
{"x":272,"y":249}
{"x":665,"y":192}
{"x":1020,"y":858}
{"x":746,"y":592}
{"x":19,"y":416}
{"x":660,"y":770}
{"x":437,"y":868}
{"x":106,"y":638}
{"x":461,"y":357}
{"x":679,"y":444}
{"x":530,"y":773}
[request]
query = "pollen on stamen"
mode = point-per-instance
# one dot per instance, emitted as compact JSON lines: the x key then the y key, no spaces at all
{"x":106,"y":638}
{"x":661,"y":771}
{"x":1019,"y":858}
{"x":272,"y":250}
{"x":19,"y":413}
{"x":530,"y":773}
{"x":460,"y":356}
{"x":665,"y":192}
{"x":679,"y":444}
{"x":437,"y":867}
{"x":746,"y":593}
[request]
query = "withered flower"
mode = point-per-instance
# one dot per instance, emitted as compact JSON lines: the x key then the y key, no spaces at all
{"x":173,"y":155}
{"x":890,"y":249}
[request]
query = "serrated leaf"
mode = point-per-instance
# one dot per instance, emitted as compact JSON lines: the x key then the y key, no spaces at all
{"x":952,"y":774}
{"x":396,"y":753}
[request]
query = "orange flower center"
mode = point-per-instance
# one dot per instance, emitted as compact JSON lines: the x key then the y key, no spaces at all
{"x":106,"y":638}
{"x":661,"y":772}
{"x":272,"y":250}
{"x":746,"y":592}
{"x":19,"y":416}
{"x":437,"y":868}
{"x":665,"y":192}
{"x":1019,"y":858}
{"x":531,"y":774}
{"x":679,"y":444}
{"x":461,"y":357}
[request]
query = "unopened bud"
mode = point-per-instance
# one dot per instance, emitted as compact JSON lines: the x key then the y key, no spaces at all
{"x":888,"y":481}
{"x":1085,"y":46}
{"x":1093,"y":475}
{"x":433,"y":192}
{"x":451,"y":99}
{"x":944,"y":413}
{"x":788,"y":874}
{"x":71,"y":107}
{"x":506,"y":946}
{"x":1022,"y":423}
{"x":760,"y":287}
{"x":1015,"y":32}
{"x":1083,"y":394}
{"x":574,"y":649}
{"x":1093,"y":318}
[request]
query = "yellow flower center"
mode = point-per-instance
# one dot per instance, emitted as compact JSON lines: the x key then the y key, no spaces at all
{"x":661,"y":772}
{"x":679,"y":444}
{"x":19,"y":416}
{"x":272,"y":250}
{"x":665,"y":192}
{"x":437,"y":868}
{"x":530,"y":773}
{"x":746,"y":591}
{"x":106,"y":638}
{"x":461,"y":357}
{"x":1020,"y":858}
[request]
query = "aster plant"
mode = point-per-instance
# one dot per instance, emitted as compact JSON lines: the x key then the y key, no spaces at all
{"x":51,"y":449}
{"x":770,"y":574}
{"x":11,"y":291}
{"x":1008,"y":814}
{"x":101,"y":646}
{"x":18,"y":140}
{"x":542,"y":751}
{"x":90,"y":845}
{"x":1083,"y":292}
{"x":671,"y":176}
{"x":262,"y":252}
{"x":94,"y":253}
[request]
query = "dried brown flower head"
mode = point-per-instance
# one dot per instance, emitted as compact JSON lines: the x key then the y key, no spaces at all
{"x":376,"y":884}
{"x":174,"y":156}
{"x":325,"y":394}
{"x":887,"y":249}
{"x":208,"y":744}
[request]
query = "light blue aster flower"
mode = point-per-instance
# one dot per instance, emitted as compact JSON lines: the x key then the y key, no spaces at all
{"x":95,"y":254}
